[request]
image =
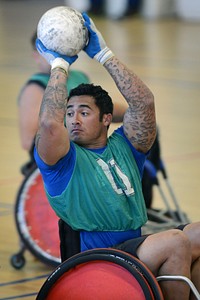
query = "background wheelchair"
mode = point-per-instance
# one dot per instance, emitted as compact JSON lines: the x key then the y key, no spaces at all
{"x":155,"y":175}
{"x":36,"y":223}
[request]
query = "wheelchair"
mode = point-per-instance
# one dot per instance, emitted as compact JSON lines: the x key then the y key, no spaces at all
{"x":98,"y":272}
{"x":155,"y":175}
{"x":105,"y":274}
{"x":36,"y":222}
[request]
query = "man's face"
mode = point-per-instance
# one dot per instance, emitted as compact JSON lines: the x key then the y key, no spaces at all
{"x":82,"y":120}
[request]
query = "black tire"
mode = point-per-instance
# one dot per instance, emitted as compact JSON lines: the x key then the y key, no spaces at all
{"x":146,"y":280}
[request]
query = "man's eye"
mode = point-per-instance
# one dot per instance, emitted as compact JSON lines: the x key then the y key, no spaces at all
{"x":69,"y":114}
{"x":84,"y":113}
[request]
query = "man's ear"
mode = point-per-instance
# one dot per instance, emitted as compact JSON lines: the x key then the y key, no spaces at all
{"x":107,"y":119}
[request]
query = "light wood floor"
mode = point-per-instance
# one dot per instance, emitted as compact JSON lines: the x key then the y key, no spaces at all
{"x":166,"y":55}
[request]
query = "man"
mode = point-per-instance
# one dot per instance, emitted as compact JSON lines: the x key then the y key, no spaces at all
{"x":30,"y":98}
{"x":93,"y":181}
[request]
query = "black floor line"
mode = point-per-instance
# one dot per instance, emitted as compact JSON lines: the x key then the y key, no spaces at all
{"x":19,"y":296}
{"x":23,"y":280}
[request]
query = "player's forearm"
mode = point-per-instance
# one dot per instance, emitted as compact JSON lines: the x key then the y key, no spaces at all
{"x":52,"y":131}
{"x":135,"y":92}
{"x":53,"y":107}
{"x":139,"y":120}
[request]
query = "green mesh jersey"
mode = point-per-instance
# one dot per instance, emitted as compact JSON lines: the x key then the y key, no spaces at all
{"x":104,"y":192}
{"x":75,"y":78}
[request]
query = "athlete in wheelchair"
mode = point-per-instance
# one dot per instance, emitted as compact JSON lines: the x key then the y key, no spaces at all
{"x":93,"y":182}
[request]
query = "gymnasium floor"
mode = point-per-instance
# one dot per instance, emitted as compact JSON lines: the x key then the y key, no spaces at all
{"x":164,"y":53}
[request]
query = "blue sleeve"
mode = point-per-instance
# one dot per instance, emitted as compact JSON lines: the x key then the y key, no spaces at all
{"x":139,"y":156}
{"x":58,"y":174}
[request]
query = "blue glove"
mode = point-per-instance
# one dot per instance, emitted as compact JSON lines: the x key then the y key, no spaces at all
{"x":53,"y":58}
{"x":96,"y":47}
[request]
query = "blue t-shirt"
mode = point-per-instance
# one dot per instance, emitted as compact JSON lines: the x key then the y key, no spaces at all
{"x":56,"y":179}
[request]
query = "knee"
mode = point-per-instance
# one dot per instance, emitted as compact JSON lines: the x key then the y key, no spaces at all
{"x":192,"y":231}
{"x":196,"y":264}
{"x":181,"y":244}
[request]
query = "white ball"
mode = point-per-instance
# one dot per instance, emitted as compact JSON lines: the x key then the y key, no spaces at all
{"x":61,"y":29}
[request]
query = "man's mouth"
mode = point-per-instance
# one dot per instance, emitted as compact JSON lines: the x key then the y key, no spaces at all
{"x":75,"y":130}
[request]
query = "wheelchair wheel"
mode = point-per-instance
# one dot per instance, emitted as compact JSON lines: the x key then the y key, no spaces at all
{"x":17,"y":261}
{"x":101,"y":274}
{"x":36,"y":222}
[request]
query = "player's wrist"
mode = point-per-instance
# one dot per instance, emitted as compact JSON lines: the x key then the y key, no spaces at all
{"x":61,"y":64}
{"x":104,"y":55}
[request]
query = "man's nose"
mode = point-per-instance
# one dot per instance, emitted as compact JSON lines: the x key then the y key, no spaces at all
{"x":76,"y":119}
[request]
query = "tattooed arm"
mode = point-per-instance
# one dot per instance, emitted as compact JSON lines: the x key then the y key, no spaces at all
{"x":139,"y":120}
{"x":52,"y":141}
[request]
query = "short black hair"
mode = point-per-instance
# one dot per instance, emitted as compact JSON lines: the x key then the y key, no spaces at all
{"x":102,"y":100}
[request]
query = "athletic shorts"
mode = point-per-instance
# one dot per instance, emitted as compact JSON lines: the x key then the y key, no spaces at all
{"x":130,"y":246}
